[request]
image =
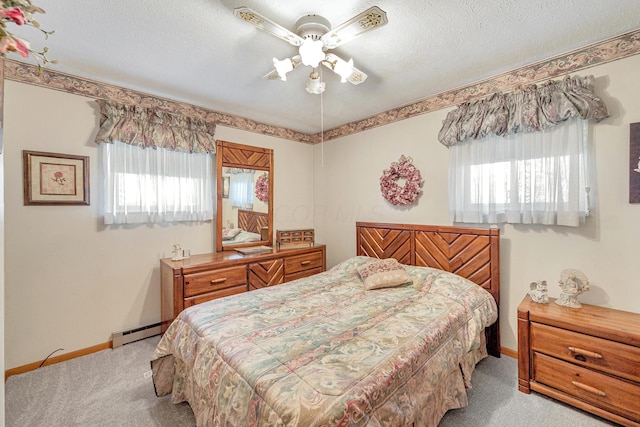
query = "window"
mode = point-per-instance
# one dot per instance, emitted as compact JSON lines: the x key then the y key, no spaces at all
{"x":525,"y":178}
{"x":155,"y":185}
{"x":241,"y":190}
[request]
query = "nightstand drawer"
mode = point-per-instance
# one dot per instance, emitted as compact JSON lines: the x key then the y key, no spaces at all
{"x":610,"y":393}
{"x":597,"y":353}
{"x":199,"y":283}
{"x":304,"y":262}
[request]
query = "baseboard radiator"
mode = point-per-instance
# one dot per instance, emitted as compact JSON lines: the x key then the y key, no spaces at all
{"x":132,"y":335}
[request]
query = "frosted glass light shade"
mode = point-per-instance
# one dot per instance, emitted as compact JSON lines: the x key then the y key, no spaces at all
{"x":314,"y":85}
{"x":311,"y":52}
{"x":283,"y":67}
{"x":344,"y":69}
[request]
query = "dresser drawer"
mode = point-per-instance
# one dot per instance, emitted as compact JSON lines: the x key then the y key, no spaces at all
{"x":188,"y":302}
{"x":613,"y":394}
{"x":215,"y":280}
{"x":298,"y":263}
{"x":303,"y":273}
{"x":597,"y":353}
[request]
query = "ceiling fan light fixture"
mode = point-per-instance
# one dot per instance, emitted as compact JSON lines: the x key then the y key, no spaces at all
{"x":314,"y":85}
{"x":315,"y":39}
{"x":283,"y":67}
{"x":311,"y":52}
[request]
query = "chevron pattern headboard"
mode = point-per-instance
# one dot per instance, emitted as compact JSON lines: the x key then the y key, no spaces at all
{"x":473,"y":253}
{"x":252,"y":221}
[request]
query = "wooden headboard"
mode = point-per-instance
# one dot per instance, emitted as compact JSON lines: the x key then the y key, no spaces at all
{"x":473,"y":253}
{"x":252,"y":221}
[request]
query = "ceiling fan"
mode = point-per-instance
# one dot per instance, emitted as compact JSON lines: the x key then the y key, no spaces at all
{"x":314,"y":37}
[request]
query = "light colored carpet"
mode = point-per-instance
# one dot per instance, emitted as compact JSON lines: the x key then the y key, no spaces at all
{"x":109,"y":388}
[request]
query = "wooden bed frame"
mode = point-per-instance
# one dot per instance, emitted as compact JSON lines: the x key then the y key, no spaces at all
{"x":252,"y":221}
{"x":472,"y":253}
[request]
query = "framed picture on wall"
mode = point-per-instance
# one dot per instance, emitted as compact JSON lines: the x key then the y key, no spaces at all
{"x":226,"y":181}
{"x":55,"y":179}
{"x":634,"y":163}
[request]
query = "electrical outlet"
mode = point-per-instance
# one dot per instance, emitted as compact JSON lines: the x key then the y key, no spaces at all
{"x":148,"y":374}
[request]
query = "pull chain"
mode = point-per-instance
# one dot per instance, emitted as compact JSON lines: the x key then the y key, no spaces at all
{"x":321,"y":124}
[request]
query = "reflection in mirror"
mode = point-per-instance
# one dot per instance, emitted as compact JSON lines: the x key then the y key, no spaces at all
{"x":244,"y":195}
{"x":245,"y":205}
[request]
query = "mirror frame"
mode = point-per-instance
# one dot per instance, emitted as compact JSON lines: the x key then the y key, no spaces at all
{"x":231,"y":154}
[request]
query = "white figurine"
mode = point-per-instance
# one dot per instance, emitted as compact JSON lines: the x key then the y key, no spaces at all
{"x":539,"y":292}
{"x":572,"y":283}
{"x":638,"y":168}
{"x":177,"y":253}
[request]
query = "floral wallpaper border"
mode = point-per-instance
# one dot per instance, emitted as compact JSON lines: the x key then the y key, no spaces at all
{"x":599,"y":53}
{"x":602,"y":52}
{"x":51,"y":79}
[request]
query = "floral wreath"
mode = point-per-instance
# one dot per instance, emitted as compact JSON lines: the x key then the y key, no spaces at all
{"x":392,"y":191}
{"x":262,"y":188}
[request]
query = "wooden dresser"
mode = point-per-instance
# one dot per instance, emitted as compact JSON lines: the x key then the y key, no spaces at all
{"x":205,"y":277}
{"x":587,"y":357}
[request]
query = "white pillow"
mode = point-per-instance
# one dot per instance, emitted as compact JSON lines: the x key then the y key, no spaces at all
{"x":230,"y":234}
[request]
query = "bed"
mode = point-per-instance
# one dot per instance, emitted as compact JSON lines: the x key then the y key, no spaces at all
{"x":338,"y":348}
{"x":473,"y":253}
{"x":250,"y":224}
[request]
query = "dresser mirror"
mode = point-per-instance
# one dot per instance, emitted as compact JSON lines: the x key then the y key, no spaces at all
{"x":244,"y":180}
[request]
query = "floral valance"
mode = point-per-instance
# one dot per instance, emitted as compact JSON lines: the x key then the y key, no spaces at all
{"x":235,"y":171}
{"x":149,"y":127}
{"x":527,"y":110}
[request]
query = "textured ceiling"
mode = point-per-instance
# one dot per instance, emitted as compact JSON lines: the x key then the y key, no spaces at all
{"x":198,"y":52}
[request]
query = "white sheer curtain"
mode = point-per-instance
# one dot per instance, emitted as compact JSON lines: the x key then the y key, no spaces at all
{"x":526,"y":178}
{"x":241,"y":190}
{"x":155,"y":185}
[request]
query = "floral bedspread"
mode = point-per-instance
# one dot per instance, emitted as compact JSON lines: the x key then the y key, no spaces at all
{"x":243,"y":237}
{"x":324,"y":351}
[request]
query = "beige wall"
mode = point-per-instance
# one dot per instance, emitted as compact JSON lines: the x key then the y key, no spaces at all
{"x":71,"y":281}
{"x":605,"y":249}
{"x":2,"y":363}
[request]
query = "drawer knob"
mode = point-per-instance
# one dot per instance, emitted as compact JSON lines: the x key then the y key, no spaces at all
{"x":589,"y":389}
{"x":587,"y":353}
{"x":305,"y":262}
{"x":220,"y":280}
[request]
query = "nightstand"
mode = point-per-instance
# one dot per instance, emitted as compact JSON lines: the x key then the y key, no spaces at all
{"x":587,"y":357}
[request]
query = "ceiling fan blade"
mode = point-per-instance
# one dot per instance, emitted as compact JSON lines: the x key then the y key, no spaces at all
{"x":267,"y":25}
{"x":368,"y":20}
{"x":356,"y":77}
{"x":273,"y":74}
